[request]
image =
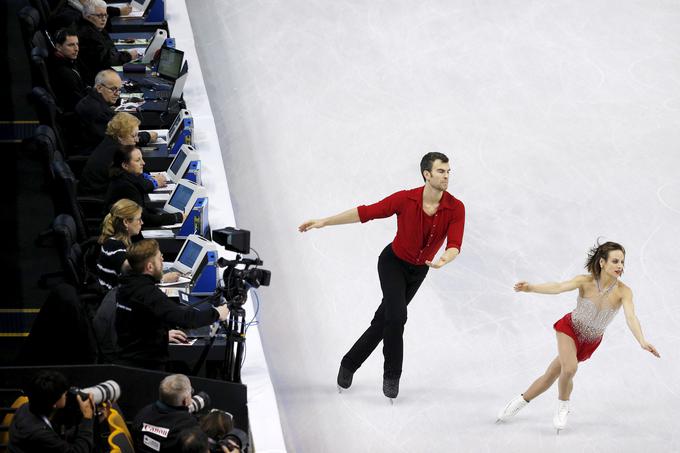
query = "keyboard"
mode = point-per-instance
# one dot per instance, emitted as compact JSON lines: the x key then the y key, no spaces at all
{"x":156,"y":83}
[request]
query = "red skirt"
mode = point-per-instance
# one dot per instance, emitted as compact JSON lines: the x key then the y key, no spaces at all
{"x":584,"y":349}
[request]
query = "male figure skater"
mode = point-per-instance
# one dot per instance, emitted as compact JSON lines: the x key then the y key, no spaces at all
{"x":425,"y":217}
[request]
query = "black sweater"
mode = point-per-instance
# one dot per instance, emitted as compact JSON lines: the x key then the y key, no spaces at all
{"x":97,"y":50}
{"x":144,"y":315}
{"x":94,"y":180}
{"x":94,"y":114}
{"x":136,"y":188}
{"x":66,"y":80}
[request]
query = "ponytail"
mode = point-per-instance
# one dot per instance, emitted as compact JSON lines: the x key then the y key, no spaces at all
{"x":113,"y":225}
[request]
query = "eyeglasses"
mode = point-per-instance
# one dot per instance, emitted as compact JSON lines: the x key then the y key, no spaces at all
{"x":114,"y":90}
{"x":100,"y":16}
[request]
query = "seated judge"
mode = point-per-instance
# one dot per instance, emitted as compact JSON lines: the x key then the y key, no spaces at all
{"x":128,"y":181}
{"x":97,"y":49}
{"x":123,"y":129}
{"x":65,"y":70}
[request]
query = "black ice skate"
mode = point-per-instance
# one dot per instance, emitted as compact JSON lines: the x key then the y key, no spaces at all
{"x":344,"y":378}
{"x":391,"y":388}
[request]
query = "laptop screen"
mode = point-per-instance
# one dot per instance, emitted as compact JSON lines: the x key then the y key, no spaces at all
{"x":170,"y":63}
{"x":177,"y":163}
{"x":181,"y":197}
{"x":189,"y":254}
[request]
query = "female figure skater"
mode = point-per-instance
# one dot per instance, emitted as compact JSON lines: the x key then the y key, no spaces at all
{"x":579,"y":333}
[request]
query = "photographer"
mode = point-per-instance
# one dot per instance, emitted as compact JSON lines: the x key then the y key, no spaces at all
{"x":157,"y":427}
{"x":145,"y":315}
{"x":218,"y":425}
{"x":32,"y":431}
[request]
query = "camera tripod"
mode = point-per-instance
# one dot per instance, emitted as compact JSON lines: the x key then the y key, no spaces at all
{"x":235,"y":328}
{"x":235,"y":340}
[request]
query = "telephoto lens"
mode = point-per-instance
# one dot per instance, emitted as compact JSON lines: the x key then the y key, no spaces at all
{"x":105,"y":391}
{"x":198,"y":402}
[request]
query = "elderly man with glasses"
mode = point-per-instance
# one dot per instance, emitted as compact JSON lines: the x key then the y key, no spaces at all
{"x":97,"y":51}
{"x":97,"y":108}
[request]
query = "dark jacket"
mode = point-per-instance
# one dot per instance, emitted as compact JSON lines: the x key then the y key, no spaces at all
{"x":144,"y":315}
{"x":151,"y":423}
{"x":67,"y":16}
{"x":94,"y":114}
{"x":30,"y":434}
{"x":66,"y":80}
{"x":135,"y":188}
{"x":97,"y":50}
{"x":94,"y":180}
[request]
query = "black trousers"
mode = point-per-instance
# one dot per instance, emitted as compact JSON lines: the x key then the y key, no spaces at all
{"x":399,"y":281}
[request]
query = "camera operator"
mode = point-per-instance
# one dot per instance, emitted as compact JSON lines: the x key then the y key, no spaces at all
{"x":145,"y":315}
{"x":32,"y":431}
{"x":157,"y":427}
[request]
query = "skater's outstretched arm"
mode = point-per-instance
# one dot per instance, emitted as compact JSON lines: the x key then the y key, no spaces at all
{"x":349,"y":216}
{"x":634,"y":323}
{"x":552,"y":288}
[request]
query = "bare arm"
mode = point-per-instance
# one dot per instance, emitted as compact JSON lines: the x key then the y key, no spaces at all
{"x":551,"y":288}
{"x":634,"y":323}
{"x":349,"y":216}
{"x":448,"y":256}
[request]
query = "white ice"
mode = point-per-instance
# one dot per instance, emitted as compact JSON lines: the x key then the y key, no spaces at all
{"x":562,"y":122}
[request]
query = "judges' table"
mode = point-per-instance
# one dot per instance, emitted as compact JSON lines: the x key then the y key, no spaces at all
{"x":263,"y":412}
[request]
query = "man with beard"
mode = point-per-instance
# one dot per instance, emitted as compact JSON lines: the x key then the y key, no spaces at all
{"x":426,"y":216}
{"x":146,"y":317}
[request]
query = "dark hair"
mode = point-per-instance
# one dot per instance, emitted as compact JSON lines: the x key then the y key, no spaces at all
{"x":63,"y":33}
{"x":140,"y":252}
{"x":193,"y":440}
{"x":427,"y":161}
{"x":44,"y":390}
{"x":121,"y":156}
{"x":600,"y":251}
{"x":217,"y":424}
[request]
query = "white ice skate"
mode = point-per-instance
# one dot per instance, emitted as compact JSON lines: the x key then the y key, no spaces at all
{"x":511,"y":409}
{"x":561,"y":413}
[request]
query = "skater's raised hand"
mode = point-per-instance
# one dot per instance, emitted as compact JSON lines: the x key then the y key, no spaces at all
{"x":650,"y":347}
{"x":522,"y":287}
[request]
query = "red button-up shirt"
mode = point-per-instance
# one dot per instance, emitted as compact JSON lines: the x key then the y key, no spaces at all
{"x":413,"y":243}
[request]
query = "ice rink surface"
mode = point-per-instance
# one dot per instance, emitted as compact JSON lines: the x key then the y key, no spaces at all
{"x":562,"y":122}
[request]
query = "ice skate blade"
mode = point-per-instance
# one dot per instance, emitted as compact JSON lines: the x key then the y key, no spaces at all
{"x":340,"y":389}
{"x":391,"y":401}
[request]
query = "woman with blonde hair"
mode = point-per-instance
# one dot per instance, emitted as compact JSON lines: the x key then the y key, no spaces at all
{"x":121,"y":224}
{"x":123,"y":129}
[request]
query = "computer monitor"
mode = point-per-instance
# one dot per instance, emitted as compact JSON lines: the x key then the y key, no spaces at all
{"x":177,"y":125}
{"x":170,"y":63}
{"x":178,"y":89}
{"x":181,"y":162}
{"x":184,"y":196}
{"x":192,"y":253}
{"x":154,"y":45}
